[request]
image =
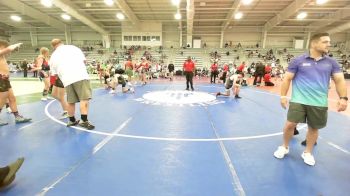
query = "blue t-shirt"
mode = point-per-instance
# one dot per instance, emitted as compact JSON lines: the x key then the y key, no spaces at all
{"x":311,"y":79}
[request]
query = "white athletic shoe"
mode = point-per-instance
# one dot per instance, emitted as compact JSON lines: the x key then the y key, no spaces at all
{"x":112,"y":92}
{"x":43,"y":99}
{"x":9,"y":110}
{"x":64,"y":115}
{"x":281,"y":152}
{"x":2,"y":123}
{"x":308,"y":158}
{"x":50,"y":98}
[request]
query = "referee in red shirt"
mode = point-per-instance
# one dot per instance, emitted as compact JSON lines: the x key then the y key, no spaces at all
{"x":189,"y":68}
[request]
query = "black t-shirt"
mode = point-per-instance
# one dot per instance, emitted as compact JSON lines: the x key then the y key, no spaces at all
{"x":119,"y":71}
{"x":260,"y":69}
{"x":171,"y":67}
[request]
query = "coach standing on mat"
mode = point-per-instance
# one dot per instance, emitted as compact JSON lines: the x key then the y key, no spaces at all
{"x":189,"y":68}
{"x":310,"y":74}
{"x":69,"y":64}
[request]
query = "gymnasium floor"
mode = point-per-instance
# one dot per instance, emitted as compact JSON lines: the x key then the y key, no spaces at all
{"x":164,"y":141}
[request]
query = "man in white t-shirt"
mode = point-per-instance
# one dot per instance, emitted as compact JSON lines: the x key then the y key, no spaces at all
{"x":68,"y":62}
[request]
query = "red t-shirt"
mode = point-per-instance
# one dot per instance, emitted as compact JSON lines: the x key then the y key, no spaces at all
{"x":241,"y":67}
{"x":128,"y":65}
{"x":143,"y":65}
{"x":188,"y":66}
{"x":267,"y":77}
{"x":226,"y":68}
{"x":214,"y":67}
{"x":268,"y":69}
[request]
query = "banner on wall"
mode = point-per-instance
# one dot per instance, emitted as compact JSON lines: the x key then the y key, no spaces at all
{"x":298,"y":44}
{"x":197,"y":43}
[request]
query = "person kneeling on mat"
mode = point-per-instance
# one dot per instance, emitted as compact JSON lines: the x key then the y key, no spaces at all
{"x":234,"y":82}
{"x":119,"y":79}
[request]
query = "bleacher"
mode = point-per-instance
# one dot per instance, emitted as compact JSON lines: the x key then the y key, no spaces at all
{"x":23,"y":53}
{"x":201,"y":56}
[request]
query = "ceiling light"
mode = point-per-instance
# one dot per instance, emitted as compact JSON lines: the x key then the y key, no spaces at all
{"x":16,"y":18}
{"x":109,"y":2}
{"x":247,"y":2}
{"x":46,"y":3}
{"x":238,"y":15}
{"x":175,"y":2}
{"x":66,"y":16}
{"x":320,"y":2}
{"x":88,"y":4}
{"x":120,"y":16}
{"x":177,"y":16}
{"x":301,"y":15}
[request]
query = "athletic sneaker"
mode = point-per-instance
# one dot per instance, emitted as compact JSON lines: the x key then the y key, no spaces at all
{"x":43,"y":99}
{"x":50,"y":98}
{"x":217,"y":94}
{"x":281,"y":152}
{"x":237,"y":97}
{"x":2,"y":123}
{"x":308,"y":158}
{"x":64,"y":115}
{"x":86,"y":125}
{"x":21,"y":119}
{"x":70,"y":123}
{"x":112,"y":92}
{"x":11,"y":175}
{"x":9,"y":110}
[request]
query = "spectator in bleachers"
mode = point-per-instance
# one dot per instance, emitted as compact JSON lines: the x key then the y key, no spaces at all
{"x":226,"y":45}
{"x":24,"y":67}
{"x":171,"y":69}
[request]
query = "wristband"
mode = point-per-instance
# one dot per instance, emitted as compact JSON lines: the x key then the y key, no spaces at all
{"x":282,"y":97}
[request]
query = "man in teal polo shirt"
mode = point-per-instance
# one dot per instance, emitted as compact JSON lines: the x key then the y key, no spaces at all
{"x":310,"y":74}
